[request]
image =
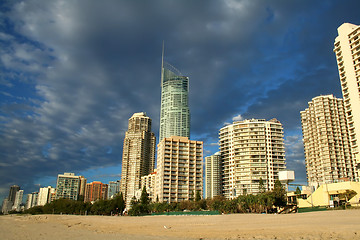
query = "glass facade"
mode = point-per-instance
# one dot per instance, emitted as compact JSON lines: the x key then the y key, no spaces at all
{"x":175,"y":114}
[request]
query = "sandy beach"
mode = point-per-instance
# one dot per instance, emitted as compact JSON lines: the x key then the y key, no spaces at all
{"x":343,"y":224}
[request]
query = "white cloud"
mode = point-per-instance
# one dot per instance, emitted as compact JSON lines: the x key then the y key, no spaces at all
{"x":237,"y":118}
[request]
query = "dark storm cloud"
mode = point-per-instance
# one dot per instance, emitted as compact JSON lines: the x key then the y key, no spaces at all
{"x":73,"y":72}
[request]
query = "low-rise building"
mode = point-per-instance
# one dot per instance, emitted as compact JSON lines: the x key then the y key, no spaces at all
{"x":331,"y":195}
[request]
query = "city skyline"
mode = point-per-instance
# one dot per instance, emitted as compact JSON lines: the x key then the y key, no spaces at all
{"x":69,"y":81}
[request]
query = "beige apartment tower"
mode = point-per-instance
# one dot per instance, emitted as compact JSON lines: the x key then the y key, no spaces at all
{"x":213,"y":175}
{"x":179,"y":169}
{"x":326,"y":141}
{"x":251,"y":150}
{"x":138,"y":155}
{"x":347,"y":50}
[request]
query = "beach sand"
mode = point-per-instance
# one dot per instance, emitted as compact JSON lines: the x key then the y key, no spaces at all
{"x":341,"y":224}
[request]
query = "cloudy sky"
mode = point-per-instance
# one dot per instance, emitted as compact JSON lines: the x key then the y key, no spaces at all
{"x":73,"y":72}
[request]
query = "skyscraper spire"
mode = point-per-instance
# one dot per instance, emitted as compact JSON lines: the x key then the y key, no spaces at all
{"x":174,"y":113}
{"x":162,"y":64}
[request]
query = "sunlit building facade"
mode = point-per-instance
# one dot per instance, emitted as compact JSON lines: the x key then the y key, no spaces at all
{"x":347,"y":51}
{"x":95,"y":191}
{"x":213,"y":175}
{"x":113,"y":189}
{"x":138,"y":155}
{"x":44,"y":195}
{"x":174,"y":113}
{"x":12,"y":193}
{"x":67,"y":186}
{"x":251,"y":150}
{"x":148,"y":182}
{"x":326,"y":141}
{"x":18,"y":200}
{"x":179,"y":169}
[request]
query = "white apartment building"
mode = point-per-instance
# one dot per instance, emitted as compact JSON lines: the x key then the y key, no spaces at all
{"x":179,"y":169}
{"x":34,"y":197}
{"x":251,"y":150}
{"x":44,"y":195}
{"x":213,"y":171}
{"x":326,"y":141}
{"x":18,"y":200}
{"x":148,"y":182}
{"x":347,"y":50}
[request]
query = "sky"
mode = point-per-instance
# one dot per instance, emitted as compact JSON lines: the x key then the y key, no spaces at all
{"x":73,"y":72}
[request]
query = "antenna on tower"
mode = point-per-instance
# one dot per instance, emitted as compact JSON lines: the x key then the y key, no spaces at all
{"x":162,"y":64}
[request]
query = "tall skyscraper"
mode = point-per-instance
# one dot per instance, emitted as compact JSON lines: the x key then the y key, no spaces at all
{"x":82,"y":187}
{"x":174,"y":113}
{"x":68,"y":186}
{"x":251,"y":150}
{"x":12,"y":193}
{"x":326,"y":141}
{"x":34,"y":199}
{"x":347,"y":50}
{"x":6,"y":206}
{"x":179,"y":169}
{"x":18,"y":200}
{"x":213,"y":175}
{"x":138,"y":155}
{"x":95,"y":191}
{"x":28,"y":202}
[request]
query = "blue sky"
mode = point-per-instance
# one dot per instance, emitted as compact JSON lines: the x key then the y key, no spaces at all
{"x":73,"y":72}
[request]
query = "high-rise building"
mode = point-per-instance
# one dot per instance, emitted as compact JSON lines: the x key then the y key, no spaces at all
{"x":174,"y":113}
{"x":34,"y":198}
{"x":82,"y":186}
{"x":213,"y":175}
{"x":67,"y":186}
{"x":12,"y":193}
{"x":326,"y":141}
{"x":113,"y":189}
{"x":44,"y":195}
{"x":251,"y":150}
{"x":148,"y":182}
{"x":95,"y":191}
{"x":6,"y":206}
{"x":179,"y":169}
{"x":18,"y":200}
{"x":138,"y":155}
{"x":28,"y":202}
{"x":347,"y":50}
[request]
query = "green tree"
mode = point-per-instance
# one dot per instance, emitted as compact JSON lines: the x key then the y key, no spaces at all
{"x":118,"y":204}
{"x":267,"y":200}
{"x":216,"y":203}
{"x":261,"y":185}
{"x":140,"y":207}
{"x":198,"y":196}
{"x":279,"y":195}
{"x":144,"y":198}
